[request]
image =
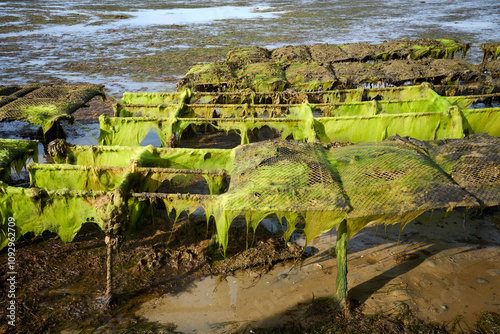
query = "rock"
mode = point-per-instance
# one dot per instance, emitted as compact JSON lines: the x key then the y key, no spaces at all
{"x":481,"y":280}
{"x":493,"y":272}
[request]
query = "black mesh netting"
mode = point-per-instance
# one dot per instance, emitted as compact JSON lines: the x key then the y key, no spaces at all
{"x":284,"y":176}
{"x":473,"y":163}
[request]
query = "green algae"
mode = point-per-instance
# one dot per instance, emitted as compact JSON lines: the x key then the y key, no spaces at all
{"x":295,"y":127}
{"x":309,"y":77}
{"x":111,"y":134}
{"x":37,"y":210}
{"x":14,"y":153}
{"x":137,"y":128}
{"x":218,"y":183}
{"x":182,"y":204}
{"x":65,"y":211}
{"x":445,"y":48}
{"x":149,"y":156}
{"x":485,"y":120}
{"x":462,"y":102}
{"x":423,"y":126}
{"x":386,"y":182}
{"x":383,"y":120}
{"x":374,"y":107}
{"x":96,"y":155}
{"x":291,"y":219}
{"x":341,"y":254}
{"x":157,"y":98}
{"x":283,"y":186}
{"x":145,"y":172}
{"x":204,"y":159}
{"x":262,"y":77}
{"x":211,"y":73}
{"x":75,"y":177}
{"x":142,"y":179}
{"x":44,"y":115}
{"x":421,"y":104}
{"x":133,"y":179}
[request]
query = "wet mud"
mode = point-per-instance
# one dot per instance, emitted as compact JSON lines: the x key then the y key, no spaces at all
{"x":447,"y":275}
{"x":60,"y":283}
{"x":439,"y":274}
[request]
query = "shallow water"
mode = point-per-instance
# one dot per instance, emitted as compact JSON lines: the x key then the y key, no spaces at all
{"x":146,"y":45}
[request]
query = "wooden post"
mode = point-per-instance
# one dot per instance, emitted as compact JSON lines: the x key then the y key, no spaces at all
{"x":106,"y":301}
{"x":341,"y":252}
{"x":114,"y":216}
{"x":109,"y":266}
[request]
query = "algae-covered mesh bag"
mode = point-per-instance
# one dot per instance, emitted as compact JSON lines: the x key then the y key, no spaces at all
{"x":46,"y":101}
{"x":290,"y":179}
{"x":284,"y":175}
{"x":391,"y":182}
{"x":473,"y":163}
{"x":45,"y":105}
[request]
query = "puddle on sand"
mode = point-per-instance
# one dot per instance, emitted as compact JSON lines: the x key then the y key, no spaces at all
{"x":221,"y":305}
{"x":444,"y":266}
{"x":184,"y":16}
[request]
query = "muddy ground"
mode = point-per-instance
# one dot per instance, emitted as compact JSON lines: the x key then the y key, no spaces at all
{"x":440,"y":274}
{"x":59,"y":283}
{"x":175,"y":280}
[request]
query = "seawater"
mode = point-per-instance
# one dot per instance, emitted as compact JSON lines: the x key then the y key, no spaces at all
{"x":40,"y":37}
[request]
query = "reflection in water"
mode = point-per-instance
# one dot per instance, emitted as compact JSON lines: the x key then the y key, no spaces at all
{"x":151,"y":17}
{"x":183,"y":16}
